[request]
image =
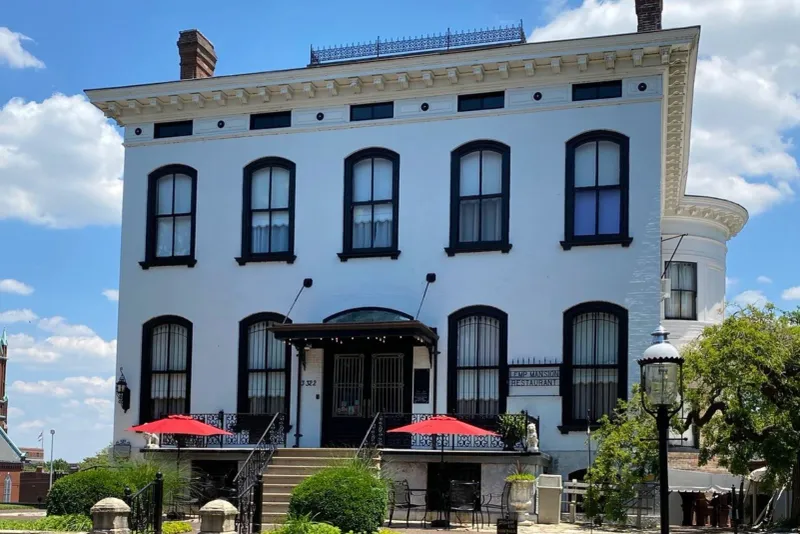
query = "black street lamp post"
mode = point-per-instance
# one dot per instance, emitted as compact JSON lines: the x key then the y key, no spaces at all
{"x":662,"y":397}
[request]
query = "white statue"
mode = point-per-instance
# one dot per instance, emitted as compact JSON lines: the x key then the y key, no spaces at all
{"x":532,"y":439}
{"x":151,"y":441}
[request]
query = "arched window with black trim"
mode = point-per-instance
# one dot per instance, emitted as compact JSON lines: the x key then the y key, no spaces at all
{"x":477,"y":361}
{"x":596,"y":209}
{"x":268,"y":211}
{"x":595,"y":369}
{"x":171,"y":213}
{"x":264,"y":366}
{"x":371,"y":194}
{"x":166,"y":367}
{"x":368,"y":314}
{"x":480,"y":178}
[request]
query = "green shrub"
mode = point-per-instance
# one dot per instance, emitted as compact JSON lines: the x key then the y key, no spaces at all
{"x":304,"y":525}
{"x":78,"y":492}
{"x":51,"y":523}
{"x":175,"y":527}
{"x":350,"y":497}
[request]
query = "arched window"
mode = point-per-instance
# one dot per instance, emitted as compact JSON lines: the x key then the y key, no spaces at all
{"x":264,"y":366}
{"x":7,"y":487}
{"x":268,"y":211}
{"x":480,"y":177}
{"x":371,"y":192}
{"x":595,"y":371}
{"x":166,"y":367}
{"x":477,"y":365}
{"x":368,"y":314}
{"x":171,"y":212}
{"x":596,"y":209}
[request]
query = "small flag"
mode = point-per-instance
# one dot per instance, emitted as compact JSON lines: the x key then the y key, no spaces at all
{"x":41,"y":436}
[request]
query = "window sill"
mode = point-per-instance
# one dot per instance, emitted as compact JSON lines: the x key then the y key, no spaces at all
{"x":168,"y":262}
{"x":264,"y":258}
{"x":344,"y":256}
{"x":480,"y":247}
{"x":624,"y":241}
{"x":573,"y":427}
{"x":680,"y":318}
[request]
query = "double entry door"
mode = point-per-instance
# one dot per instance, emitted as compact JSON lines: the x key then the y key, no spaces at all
{"x":361,"y":379}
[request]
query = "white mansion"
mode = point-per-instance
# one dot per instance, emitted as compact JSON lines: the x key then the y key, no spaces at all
{"x":489,"y":228}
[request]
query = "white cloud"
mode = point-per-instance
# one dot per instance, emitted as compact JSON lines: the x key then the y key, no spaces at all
{"x":57,"y":149}
{"x":793,"y":293}
{"x":28,"y":425}
{"x":13,"y":411}
{"x":25,"y":348}
{"x":9,"y":285}
{"x":13,"y":54}
{"x":59,"y":326}
{"x":730,"y":282}
{"x":84,"y":386}
{"x":764,"y":279}
{"x":111,"y":294}
{"x":747,"y":91}
{"x":17,"y":316}
{"x":750,"y":297}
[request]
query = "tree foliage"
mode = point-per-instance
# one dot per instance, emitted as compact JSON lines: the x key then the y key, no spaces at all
{"x":627,"y":455}
{"x":743,"y":379}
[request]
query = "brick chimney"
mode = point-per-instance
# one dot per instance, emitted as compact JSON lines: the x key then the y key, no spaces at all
{"x":197,"y":55}
{"x":649,"y":14}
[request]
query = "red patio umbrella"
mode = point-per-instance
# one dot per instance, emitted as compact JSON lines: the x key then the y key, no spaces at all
{"x":182,"y":425}
{"x":444,"y":424}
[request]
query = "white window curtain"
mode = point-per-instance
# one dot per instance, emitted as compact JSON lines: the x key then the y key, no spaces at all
{"x":266,"y":364}
{"x":269,"y":204}
{"x":682,"y":303}
{"x":173,"y":215}
{"x":595,"y":358}
{"x":169,"y":358}
{"x":480,"y":189}
{"x":373,"y":209}
{"x":478,"y":365}
{"x":598,"y":193}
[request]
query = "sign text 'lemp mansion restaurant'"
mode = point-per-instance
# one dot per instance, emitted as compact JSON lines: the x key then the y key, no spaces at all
{"x":475,"y":226}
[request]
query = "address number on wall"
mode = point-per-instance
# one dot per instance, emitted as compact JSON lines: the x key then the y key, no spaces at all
{"x":308,"y":382}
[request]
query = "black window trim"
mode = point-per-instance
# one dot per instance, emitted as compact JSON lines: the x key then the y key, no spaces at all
{"x":176,"y":124}
{"x":247,"y":212}
{"x":452,"y":352}
{"x":503,"y":245}
{"x":151,"y":260}
{"x":274,"y":114}
{"x":672,"y":290}
{"x":348,"y":252}
{"x":242,"y":400}
{"x":482,"y":97}
{"x":371,"y":106}
{"x":623,"y":237}
{"x":568,"y":424}
{"x":596,"y":85}
{"x":147,"y":363}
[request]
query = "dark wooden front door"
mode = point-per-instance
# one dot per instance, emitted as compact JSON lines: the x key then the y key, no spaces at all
{"x":360,"y":379}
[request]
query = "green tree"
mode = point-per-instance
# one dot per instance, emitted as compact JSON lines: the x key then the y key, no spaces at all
{"x":101,"y":458}
{"x":58,"y":465}
{"x":743,"y":392}
{"x":627,"y":455}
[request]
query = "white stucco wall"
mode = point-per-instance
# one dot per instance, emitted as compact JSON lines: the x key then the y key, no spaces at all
{"x":534,"y":283}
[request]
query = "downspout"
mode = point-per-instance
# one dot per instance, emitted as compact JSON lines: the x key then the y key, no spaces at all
{"x":435,"y":349}
{"x":301,"y":363}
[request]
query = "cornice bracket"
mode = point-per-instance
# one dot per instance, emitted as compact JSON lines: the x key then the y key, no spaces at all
{"x":199,"y":100}
{"x":379,"y":82}
{"x":477,"y":70}
{"x":287,"y":92}
{"x":263,"y":92}
{"x":610,"y":58}
{"x":332,"y":87}
{"x":452,"y":75}
{"x":155,"y":104}
{"x":530,"y":68}
{"x":503,"y":70}
{"x":243,"y":96}
{"x":638,"y":56}
{"x":309,"y":90}
{"x":355,"y":85}
{"x":583,"y":62}
{"x":402,"y":80}
{"x":176,"y":101}
{"x":427,"y":77}
{"x":555,"y":65}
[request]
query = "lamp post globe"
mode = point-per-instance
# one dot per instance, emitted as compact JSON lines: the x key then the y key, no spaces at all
{"x":661,"y":368}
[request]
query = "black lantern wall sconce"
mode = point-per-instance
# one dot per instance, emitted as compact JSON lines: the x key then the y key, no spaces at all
{"x":123,"y":392}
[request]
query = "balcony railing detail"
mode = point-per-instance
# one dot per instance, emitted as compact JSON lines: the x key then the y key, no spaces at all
{"x":246,"y":429}
{"x":396,"y":47}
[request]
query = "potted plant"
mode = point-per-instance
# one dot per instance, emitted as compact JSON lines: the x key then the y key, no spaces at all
{"x":512,"y":430}
{"x":521,"y":495}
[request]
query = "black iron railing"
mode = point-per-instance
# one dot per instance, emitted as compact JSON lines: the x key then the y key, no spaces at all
{"x":249,"y":479}
{"x":395,"y":47}
{"x":245,"y":428}
{"x":419,"y":441}
{"x":146,"y":507}
{"x":373,"y":438}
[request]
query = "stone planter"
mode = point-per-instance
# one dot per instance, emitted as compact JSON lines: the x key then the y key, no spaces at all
{"x":521,"y":498}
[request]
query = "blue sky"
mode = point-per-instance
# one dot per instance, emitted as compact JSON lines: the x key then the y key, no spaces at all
{"x":60,"y":161}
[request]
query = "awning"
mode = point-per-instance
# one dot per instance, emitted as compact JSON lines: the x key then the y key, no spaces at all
{"x":702,"y":482}
{"x":314,"y":334}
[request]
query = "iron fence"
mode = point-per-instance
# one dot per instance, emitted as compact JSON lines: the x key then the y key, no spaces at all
{"x":249,"y":480}
{"x":146,"y":507}
{"x":419,"y":441}
{"x":394,"y":47}
{"x":245,"y":429}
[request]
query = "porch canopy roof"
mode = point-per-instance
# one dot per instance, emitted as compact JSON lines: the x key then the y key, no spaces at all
{"x":315,"y":334}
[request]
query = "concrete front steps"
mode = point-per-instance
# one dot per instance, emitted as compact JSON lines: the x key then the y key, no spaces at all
{"x":288,"y":468}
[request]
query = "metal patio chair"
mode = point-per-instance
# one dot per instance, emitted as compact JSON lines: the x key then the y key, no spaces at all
{"x":402,"y":498}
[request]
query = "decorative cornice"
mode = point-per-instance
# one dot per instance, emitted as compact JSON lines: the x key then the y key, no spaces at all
{"x":729,"y":215}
